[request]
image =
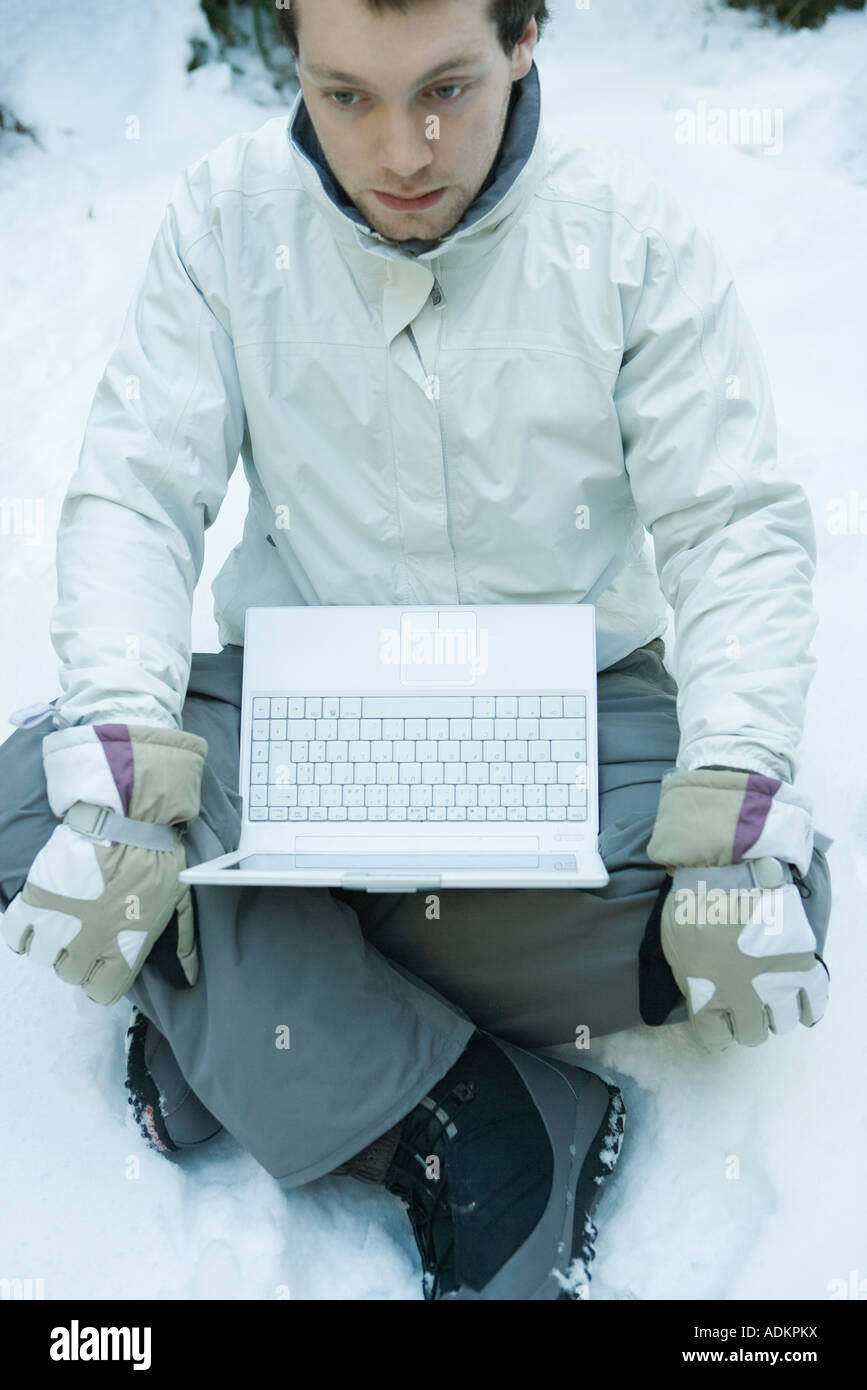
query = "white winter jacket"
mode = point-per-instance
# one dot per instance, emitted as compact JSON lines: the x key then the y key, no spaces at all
{"x":494,"y":419}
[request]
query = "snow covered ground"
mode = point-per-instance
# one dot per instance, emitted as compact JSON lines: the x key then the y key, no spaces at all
{"x":76,"y":221}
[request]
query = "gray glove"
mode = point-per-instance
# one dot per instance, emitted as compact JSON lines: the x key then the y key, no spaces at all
{"x":733,"y":927}
{"x":742,"y":951}
{"x":93,"y":907}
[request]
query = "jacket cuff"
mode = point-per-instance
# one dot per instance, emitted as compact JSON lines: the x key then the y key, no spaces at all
{"x":138,"y":770}
{"x":710,"y":817}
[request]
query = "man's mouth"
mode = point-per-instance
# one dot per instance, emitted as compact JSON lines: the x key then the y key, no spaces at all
{"x":425,"y":200}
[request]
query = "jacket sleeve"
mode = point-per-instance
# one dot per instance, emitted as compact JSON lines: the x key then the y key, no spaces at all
{"x":734,"y":538}
{"x":160,"y":445}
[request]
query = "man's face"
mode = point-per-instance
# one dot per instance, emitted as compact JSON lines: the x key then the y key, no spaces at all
{"x":408,"y":104}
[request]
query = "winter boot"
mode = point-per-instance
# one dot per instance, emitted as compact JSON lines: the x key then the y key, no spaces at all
{"x":500,"y":1166}
{"x":167,"y":1114}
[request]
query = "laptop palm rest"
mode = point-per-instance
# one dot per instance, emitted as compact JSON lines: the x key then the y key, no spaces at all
{"x":387,"y":861}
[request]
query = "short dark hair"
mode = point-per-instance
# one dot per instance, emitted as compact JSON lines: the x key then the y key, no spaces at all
{"x":510,"y":16}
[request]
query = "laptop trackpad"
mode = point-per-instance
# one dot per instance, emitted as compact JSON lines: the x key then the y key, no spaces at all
{"x":446,"y":852}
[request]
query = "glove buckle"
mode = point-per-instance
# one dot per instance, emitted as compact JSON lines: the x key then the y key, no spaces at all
{"x":87,"y":818}
{"x":101,"y":822}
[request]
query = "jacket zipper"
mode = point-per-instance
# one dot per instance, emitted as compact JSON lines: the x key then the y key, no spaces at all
{"x":438,"y":299}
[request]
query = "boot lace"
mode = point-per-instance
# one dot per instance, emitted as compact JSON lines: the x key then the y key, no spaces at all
{"x":428,"y":1130}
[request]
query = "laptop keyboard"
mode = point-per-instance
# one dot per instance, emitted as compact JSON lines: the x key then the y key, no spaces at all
{"x":418,"y":758}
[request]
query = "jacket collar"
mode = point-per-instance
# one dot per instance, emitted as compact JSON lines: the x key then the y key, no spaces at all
{"x":519,"y":165}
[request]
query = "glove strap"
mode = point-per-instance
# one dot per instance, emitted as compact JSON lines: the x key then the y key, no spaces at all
{"x":101,"y":823}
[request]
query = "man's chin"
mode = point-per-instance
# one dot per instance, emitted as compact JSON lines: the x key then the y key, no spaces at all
{"x":407,"y":226}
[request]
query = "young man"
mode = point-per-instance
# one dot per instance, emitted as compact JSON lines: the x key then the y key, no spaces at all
{"x":462,"y":367}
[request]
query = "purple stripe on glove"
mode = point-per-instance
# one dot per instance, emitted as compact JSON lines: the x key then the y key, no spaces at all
{"x":117,"y":747}
{"x":754,"y":812}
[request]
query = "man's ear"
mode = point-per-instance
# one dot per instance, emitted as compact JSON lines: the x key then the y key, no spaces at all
{"x":522,"y":56}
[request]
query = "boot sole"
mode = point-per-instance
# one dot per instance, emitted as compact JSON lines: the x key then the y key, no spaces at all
{"x":599,"y":1165}
{"x":584,"y":1117}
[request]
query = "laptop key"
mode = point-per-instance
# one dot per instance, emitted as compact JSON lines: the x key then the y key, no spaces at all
{"x":562,"y":750}
{"x":573,"y":773}
{"x":562,"y":728}
{"x":300,"y":729}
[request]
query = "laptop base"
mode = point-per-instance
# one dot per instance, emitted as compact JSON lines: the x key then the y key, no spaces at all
{"x":412,"y":875}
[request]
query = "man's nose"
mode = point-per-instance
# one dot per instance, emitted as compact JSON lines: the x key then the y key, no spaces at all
{"x":403,"y":146}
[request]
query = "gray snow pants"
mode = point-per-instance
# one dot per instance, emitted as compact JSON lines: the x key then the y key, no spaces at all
{"x":378,"y":993}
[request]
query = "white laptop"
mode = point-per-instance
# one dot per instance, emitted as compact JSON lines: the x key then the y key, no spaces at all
{"x":403,"y":748}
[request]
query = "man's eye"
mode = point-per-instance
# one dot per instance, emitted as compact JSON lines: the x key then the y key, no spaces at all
{"x":446,"y":91}
{"x":447,"y":87}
